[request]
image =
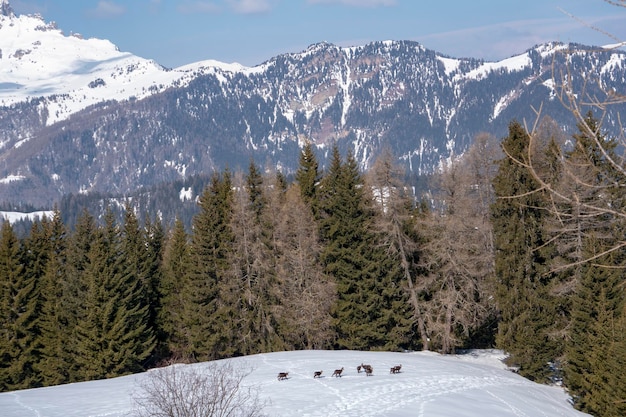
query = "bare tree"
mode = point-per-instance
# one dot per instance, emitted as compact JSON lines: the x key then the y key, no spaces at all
{"x":306,"y":293}
{"x":216,"y":390}
{"x":253,"y":266}
{"x":579,"y":202}
{"x":458,"y":251}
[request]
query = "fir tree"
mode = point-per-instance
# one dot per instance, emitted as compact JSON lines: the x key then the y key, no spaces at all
{"x":209,"y":319}
{"x":597,"y":302}
{"x":139,"y":271}
{"x":76,"y":285}
{"x":308,"y":176}
{"x":112,"y":335}
{"x":152,"y":270}
{"x":527,"y":312}
{"x":19,"y":305}
{"x":171,"y":291}
{"x":56,"y":316}
{"x":370,"y":305}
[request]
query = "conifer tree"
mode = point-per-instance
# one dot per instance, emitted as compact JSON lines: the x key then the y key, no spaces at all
{"x":397,"y":231}
{"x":597,"y":302}
{"x":56,"y":316}
{"x":152,"y":270}
{"x":135,"y":247}
{"x":112,"y":335}
{"x":616,"y":353}
{"x":371,"y":307}
{"x":209,"y":318}
{"x":308,"y":176}
{"x":518,"y":216}
{"x":76,"y":285}
{"x":171,"y":291}
{"x":19,"y":305}
{"x":458,"y":252}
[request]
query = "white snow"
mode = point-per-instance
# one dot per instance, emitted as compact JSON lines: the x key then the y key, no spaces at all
{"x":614,"y":62}
{"x":14,"y":216}
{"x":37,"y":60}
{"x":476,"y":384}
{"x":11,"y":178}
{"x":450,"y":64}
{"x":185,"y":194}
{"x":503,"y":103}
{"x":515,"y":63}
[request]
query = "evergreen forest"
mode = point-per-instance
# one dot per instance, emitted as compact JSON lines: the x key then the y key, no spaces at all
{"x":518,"y":245}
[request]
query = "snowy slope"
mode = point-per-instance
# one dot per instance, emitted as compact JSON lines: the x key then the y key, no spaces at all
{"x":430,"y":385}
{"x":14,"y":216}
{"x":38,"y":60}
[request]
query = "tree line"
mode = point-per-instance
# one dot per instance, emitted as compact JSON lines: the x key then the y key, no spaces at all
{"x":339,"y":259}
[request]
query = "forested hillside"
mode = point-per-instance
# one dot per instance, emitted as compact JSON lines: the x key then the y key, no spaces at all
{"x":341,"y":259}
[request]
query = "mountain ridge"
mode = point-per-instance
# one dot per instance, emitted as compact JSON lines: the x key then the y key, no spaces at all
{"x":126,"y":122}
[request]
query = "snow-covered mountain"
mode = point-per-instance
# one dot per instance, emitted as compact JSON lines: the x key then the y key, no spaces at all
{"x":471,"y":385}
{"x":78,"y":116}
{"x":72,"y":73}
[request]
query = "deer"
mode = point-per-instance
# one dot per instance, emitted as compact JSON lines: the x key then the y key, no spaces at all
{"x":283,"y":375}
{"x":395,"y":369}
{"x":317,"y":374}
{"x":338,"y":372}
{"x":362,"y":366}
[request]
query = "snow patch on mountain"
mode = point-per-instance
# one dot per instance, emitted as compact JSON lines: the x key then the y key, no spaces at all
{"x":11,"y":178}
{"x":514,"y":63}
{"x":450,"y":64}
{"x":14,"y":216}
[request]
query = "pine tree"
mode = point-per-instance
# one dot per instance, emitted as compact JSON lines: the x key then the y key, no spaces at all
{"x":76,"y":286}
{"x":308,"y":176}
{"x":19,"y":305}
{"x":527,"y":312}
{"x":597,"y":302}
{"x":370,"y":305}
{"x":112,"y":335}
{"x":56,"y":336}
{"x":209,"y":317}
{"x":396,"y":230}
{"x":152,"y":270}
{"x":171,"y":291}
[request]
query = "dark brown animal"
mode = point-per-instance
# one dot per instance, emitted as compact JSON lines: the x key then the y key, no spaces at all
{"x":358,"y":368}
{"x":317,"y":374}
{"x":368,"y":370}
{"x":283,"y":375}
{"x":338,"y":372}
{"x":395,"y":369}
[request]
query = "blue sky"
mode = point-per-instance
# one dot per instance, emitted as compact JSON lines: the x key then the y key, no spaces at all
{"x":178,"y":32}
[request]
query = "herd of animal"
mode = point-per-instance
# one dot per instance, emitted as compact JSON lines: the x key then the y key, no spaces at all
{"x":338,"y":372}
